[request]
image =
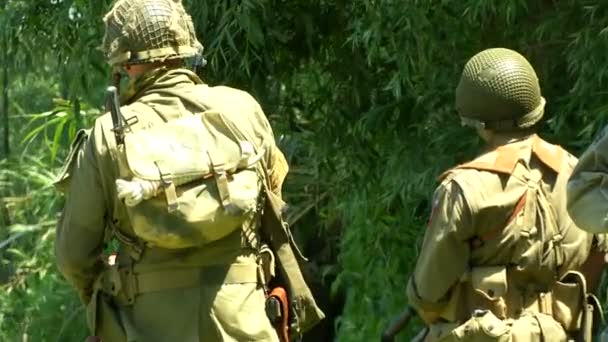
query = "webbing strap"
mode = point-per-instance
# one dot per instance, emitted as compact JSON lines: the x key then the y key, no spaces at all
{"x":221,"y":179}
{"x":125,"y":285}
{"x":519,"y":303}
{"x":492,"y":233}
{"x":182,"y":278}
{"x":551,"y":155}
{"x":169,"y":187}
{"x":171,"y":195}
{"x":551,"y":226}
{"x":134,"y":246}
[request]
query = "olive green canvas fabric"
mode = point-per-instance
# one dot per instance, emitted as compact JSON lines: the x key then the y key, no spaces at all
{"x":226,"y":300}
{"x":588,"y":187}
{"x":487,"y":238}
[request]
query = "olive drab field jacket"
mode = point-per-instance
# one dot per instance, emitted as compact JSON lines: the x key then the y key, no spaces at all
{"x":213,"y":290}
{"x":500,"y":235}
{"x":588,"y":187}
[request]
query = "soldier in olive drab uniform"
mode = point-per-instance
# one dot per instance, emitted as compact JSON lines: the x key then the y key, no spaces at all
{"x":209,"y":292}
{"x":587,"y":188}
{"x":499,"y":236}
{"x":588,"y":191}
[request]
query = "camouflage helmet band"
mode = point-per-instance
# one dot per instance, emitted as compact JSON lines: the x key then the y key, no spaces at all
{"x":129,"y":57}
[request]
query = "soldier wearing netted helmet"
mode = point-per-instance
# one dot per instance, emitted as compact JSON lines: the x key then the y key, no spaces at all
{"x":186,"y":179}
{"x":500,"y":259}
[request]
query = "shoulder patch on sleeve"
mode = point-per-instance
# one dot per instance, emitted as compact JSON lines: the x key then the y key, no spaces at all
{"x":61,"y":181}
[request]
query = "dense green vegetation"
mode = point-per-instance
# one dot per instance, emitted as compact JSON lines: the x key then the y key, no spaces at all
{"x":360,"y":93}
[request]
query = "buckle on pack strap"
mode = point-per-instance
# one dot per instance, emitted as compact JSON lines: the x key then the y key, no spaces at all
{"x":221,"y":179}
{"x":222,"y":186}
{"x":171,"y":196}
{"x":166,"y":180}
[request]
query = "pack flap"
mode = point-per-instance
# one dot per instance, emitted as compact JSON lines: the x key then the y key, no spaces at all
{"x":188,"y":147}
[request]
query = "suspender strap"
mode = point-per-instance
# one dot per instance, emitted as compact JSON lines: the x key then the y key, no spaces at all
{"x":492,"y":233}
{"x":125,"y":283}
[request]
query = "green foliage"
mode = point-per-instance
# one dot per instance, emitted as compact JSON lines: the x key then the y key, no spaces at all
{"x":35,"y":303}
{"x":416,"y":50}
{"x":57,"y":126}
{"x":360,"y":94}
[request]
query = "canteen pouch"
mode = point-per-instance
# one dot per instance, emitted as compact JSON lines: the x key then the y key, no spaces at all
{"x":489,"y":289}
{"x":483,"y":326}
{"x":569,"y":301}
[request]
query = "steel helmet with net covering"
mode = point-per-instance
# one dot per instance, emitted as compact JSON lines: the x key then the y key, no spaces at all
{"x":145,"y":31}
{"x":499,"y":90}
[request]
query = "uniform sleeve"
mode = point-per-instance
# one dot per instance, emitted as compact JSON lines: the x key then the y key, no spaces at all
{"x":584,"y":251}
{"x":80,"y":231}
{"x":576,"y":245}
{"x":588,"y":188}
{"x":445,"y":248}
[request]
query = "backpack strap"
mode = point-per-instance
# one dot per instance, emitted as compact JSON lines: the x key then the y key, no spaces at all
{"x":504,"y":160}
{"x":551,"y":155}
{"x":480,"y":240}
{"x":534,"y":203}
{"x":501,"y":160}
